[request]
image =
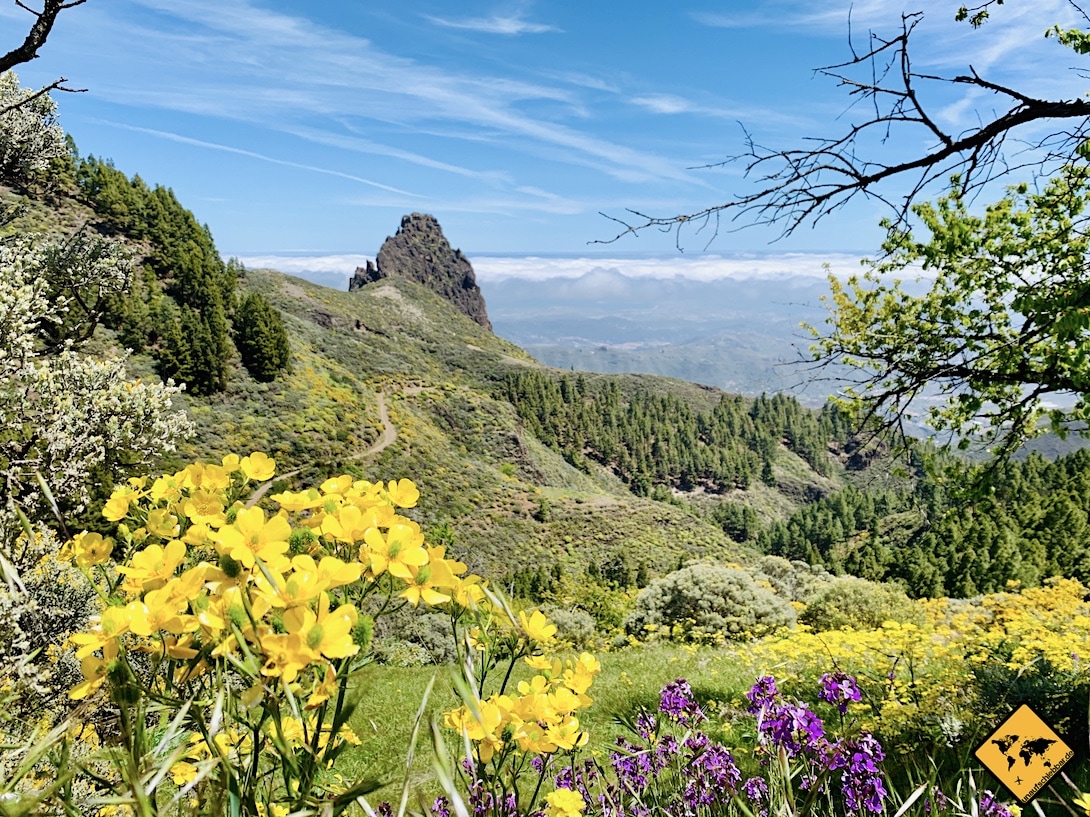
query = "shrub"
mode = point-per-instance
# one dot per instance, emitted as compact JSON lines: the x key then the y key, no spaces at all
{"x":708,"y":601}
{"x":793,"y":580}
{"x":852,"y":602}
{"x":574,"y":626}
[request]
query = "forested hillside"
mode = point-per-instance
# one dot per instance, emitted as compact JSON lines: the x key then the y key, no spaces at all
{"x":659,"y":439}
{"x":183,"y":307}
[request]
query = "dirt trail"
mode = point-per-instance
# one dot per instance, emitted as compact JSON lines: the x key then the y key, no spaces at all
{"x":389,"y":434}
{"x":389,"y":430}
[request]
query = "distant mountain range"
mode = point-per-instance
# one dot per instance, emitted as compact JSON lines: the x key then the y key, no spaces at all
{"x":741,"y":335}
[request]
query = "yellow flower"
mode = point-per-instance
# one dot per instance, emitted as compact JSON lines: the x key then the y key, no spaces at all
{"x":88,"y":549}
{"x":298,"y":587}
{"x":183,"y":772}
{"x":117,"y":507}
{"x":150,"y":568}
{"x":328,"y":634}
{"x":469,"y":592}
{"x":324,"y":689}
{"x":252,"y":537}
{"x":337,"y":485}
{"x":402,"y":546}
{"x":485,"y":728}
{"x":564,"y":803}
{"x":161,"y":522}
{"x":94,"y":671}
{"x":205,"y":508}
{"x":230,"y":462}
{"x":349,"y":523}
{"x":258,"y":467}
{"x":167,"y":487}
{"x":403,"y":493}
{"x":291,"y":728}
{"x":332,"y":572}
{"x":285,"y":656}
{"x":543,"y":662}
{"x":537,"y":626}
{"x":1083,"y":802}
{"x":113,"y":623}
{"x":438,"y":553}
{"x":425,"y":579}
{"x":580,"y":674}
{"x":294,"y":502}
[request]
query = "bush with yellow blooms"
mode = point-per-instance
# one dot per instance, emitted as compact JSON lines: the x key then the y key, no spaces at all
{"x":228,"y":631}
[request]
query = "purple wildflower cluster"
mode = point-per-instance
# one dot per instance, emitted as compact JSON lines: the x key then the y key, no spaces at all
{"x":839,"y":689}
{"x":990,"y":807}
{"x":678,"y":703}
{"x":481,"y":801}
{"x":687,"y":773}
{"x":793,"y":728}
{"x":937,"y":803}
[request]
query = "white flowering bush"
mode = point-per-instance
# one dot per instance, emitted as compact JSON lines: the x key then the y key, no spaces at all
{"x":69,"y":423}
{"x":29,"y":134}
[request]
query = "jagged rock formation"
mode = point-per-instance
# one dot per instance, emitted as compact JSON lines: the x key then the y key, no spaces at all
{"x":420,"y":253}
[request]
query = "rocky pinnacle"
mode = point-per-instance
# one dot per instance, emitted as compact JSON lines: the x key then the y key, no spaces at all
{"x":419,"y":252}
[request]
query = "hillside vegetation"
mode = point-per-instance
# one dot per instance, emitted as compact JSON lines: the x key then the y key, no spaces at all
{"x":543,"y":477}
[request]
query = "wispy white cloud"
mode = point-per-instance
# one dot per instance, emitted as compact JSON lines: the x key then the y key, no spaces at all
{"x":583,"y":80}
{"x":235,"y":60}
{"x":521,"y":200}
{"x":508,"y":25}
{"x":674,"y":105}
{"x":1009,"y":49}
{"x":188,"y":140}
{"x":664,"y":103}
{"x":361,"y":145}
{"x":704,"y":267}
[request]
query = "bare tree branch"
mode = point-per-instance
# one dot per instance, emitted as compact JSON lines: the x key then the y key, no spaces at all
{"x":38,"y":33}
{"x":803,"y":185}
{"x":56,"y":85}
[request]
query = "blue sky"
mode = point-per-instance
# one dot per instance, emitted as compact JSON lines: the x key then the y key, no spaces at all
{"x":305,"y":127}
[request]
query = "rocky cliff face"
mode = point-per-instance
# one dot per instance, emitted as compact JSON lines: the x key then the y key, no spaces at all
{"x":420,"y":253}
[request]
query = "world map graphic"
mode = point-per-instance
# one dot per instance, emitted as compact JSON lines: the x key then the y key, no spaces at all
{"x":1027,"y":749}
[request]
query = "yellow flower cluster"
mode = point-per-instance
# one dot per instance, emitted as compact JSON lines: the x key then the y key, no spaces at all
{"x":921,"y":677}
{"x":213,"y":579}
{"x":1051,"y":622}
{"x":540,"y":719}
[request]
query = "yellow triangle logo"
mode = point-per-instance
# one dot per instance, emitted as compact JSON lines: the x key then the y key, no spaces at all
{"x":1024,"y":753}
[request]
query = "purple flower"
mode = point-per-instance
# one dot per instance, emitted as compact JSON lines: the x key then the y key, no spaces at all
{"x":838,"y":688}
{"x":441,"y":807}
{"x":793,"y":726}
{"x":646,"y":725}
{"x":990,"y":807}
{"x":763,"y":695}
{"x":384,"y":809}
{"x":632,"y":765}
{"x":756,"y":789}
{"x":937,"y":801}
{"x":862,"y":779}
{"x":666,"y":750}
{"x":677,"y":702}
{"x":718,"y":767}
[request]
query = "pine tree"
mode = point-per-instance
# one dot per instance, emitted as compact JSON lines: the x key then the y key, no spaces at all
{"x":261,"y":338}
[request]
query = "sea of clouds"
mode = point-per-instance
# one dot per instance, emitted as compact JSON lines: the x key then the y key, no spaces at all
{"x":335,"y":269}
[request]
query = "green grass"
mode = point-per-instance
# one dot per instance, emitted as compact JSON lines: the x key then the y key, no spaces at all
{"x":389,"y":699}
